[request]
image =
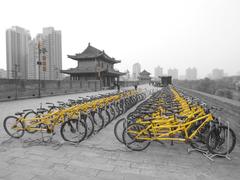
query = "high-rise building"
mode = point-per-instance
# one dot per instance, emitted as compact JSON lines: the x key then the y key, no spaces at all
{"x":32,"y":63}
{"x":136,"y":70}
{"x":51,"y":60}
{"x":158,"y":71}
{"x":191,"y":74}
{"x":217,"y":74}
{"x":23,"y":54}
{"x":17,"y":49}
{"x":173,"y":73}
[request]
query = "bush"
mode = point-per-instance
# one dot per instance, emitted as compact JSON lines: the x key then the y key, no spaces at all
{"x":219,"y":92}
{"x":228,"y":94}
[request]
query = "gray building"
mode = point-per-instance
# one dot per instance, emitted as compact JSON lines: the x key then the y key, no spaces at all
{"x":23,"y":54}
{"x":94,"y":64}
{"x":191,"y":74}
{"x":136,"y":69}
{"x":32,"y":63}
{"x":17,"y":49}
{"x":51,"y":60}
{"x":173,"y":73}
{"x":158,"y":71}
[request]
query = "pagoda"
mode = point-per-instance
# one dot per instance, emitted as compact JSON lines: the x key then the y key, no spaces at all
{"x":144,"y":76}
{"x":94,"y":64}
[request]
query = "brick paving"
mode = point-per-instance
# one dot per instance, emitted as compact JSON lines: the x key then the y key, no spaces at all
{"x":103,"y":157}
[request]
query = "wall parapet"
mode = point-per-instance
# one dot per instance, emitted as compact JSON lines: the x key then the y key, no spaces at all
{"x":11,"y":89}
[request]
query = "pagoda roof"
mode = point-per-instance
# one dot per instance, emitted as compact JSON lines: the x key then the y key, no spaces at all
{"x":144,"y":72}
{"x":91,"y":53}
{"x":83,"y":70}
{"x":115,"y":72}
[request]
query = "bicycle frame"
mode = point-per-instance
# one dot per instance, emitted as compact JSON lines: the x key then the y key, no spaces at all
{"x":155,"y":129}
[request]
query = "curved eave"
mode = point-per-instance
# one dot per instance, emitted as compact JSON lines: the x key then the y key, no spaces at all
{"x":107,"y":58}
{"x":144,"y":74}
{"x":117,"y":61}
{"x":117,"y":73}
{"x":79,"y":72}
{"x":65,"y":71}
{"x":82,"y":70}
{"x":93,"y":57}
{"x":83,"y":58}
{"x":120,"y":73}
{"x":73,"y":72}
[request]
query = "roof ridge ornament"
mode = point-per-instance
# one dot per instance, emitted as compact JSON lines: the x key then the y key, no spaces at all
{"x":89,"y":44}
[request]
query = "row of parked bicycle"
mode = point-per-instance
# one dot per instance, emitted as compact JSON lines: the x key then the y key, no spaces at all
{"x":171,"y":115}
{"x":78,"y":119}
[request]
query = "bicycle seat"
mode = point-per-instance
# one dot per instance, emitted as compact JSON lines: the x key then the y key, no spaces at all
{"x":19,"y":113}
{"x":180,"y":117}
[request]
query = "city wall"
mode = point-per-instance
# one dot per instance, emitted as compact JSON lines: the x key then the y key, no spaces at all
{"x":230,"y":112}
{"x":11,"y":89}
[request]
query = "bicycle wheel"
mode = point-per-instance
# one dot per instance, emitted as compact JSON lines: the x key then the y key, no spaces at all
{"x":130,"y":140}
{"x":127,"y":104}
{"x":98,"y":121}
{"x":221,"y":141}
{"x":89,"y":124}
{"x":199,"y":141}
{"x":73,"y":130}
{"x":30,"y":115}
{"x":131,"y":116}
{"x":118,"y":129}
{"x":122,"y":106}
{"x":106,"y":116}
{"x":111,"y":112}
{"x":13,"y":127}
{"x":116,"y":110}
{"x":198,"y":144}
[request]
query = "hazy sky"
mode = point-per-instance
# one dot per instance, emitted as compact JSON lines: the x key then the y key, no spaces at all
{"x":171,"y":33}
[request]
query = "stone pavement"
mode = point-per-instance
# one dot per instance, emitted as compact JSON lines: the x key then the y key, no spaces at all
{"x":103,"y":157}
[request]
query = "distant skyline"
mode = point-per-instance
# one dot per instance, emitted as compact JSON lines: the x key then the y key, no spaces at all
{"x":172,"y":34}
{"x":23,"y":54}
